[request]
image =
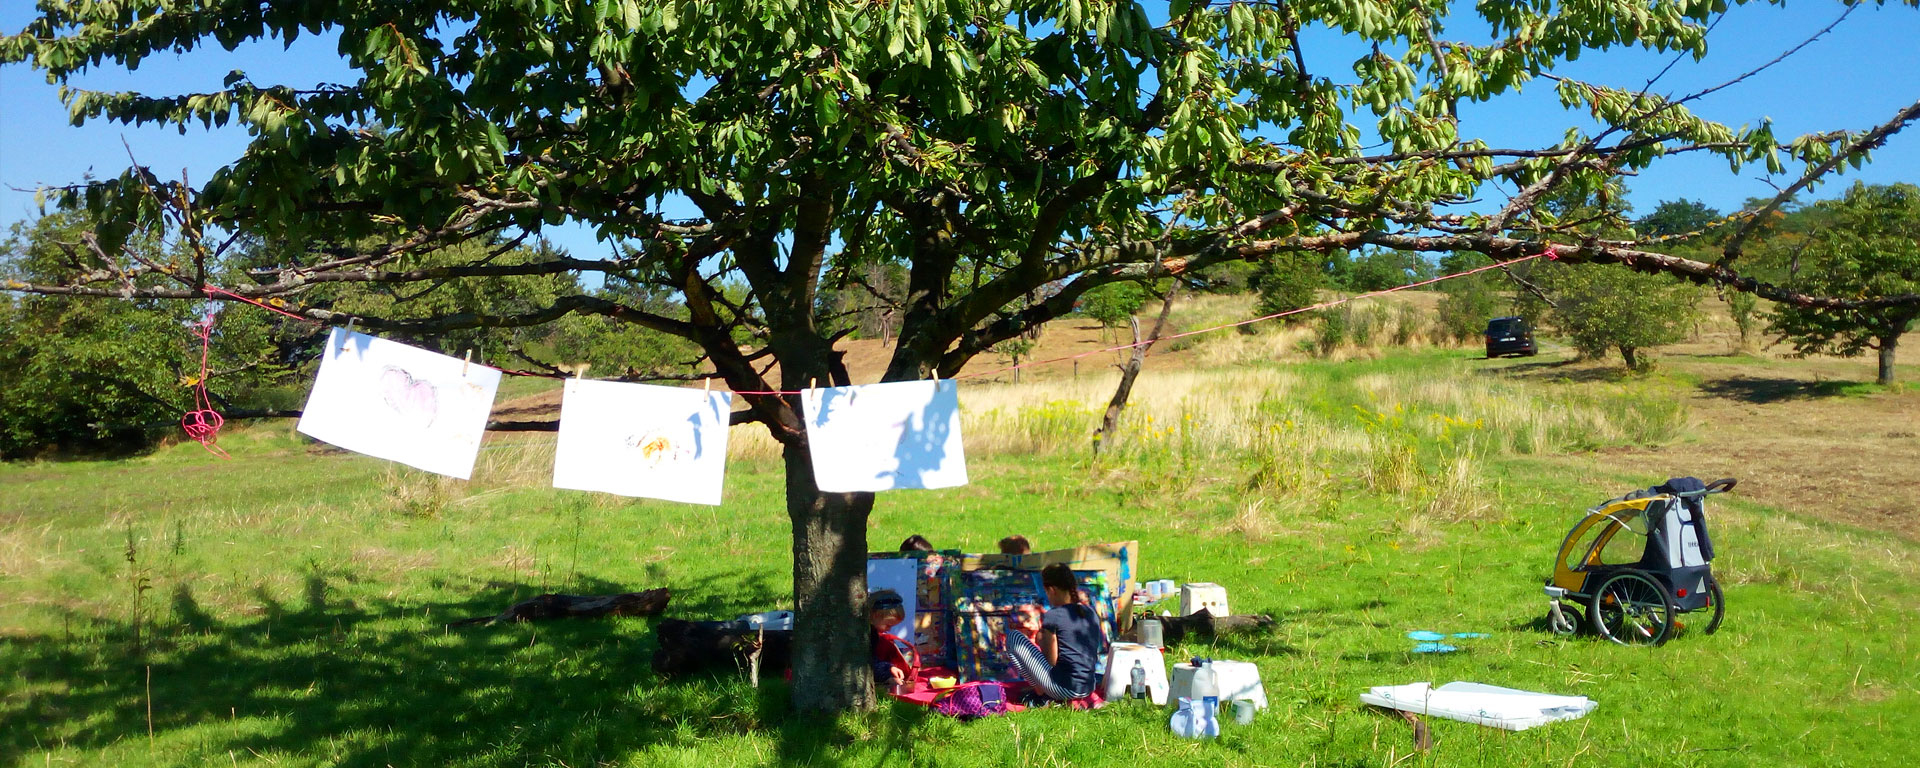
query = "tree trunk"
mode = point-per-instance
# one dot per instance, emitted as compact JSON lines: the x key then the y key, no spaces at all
{"x":831,"y":672}
{"x":1888,"y":345}
{"x":1131,"y":370}
{"x":1629,"y":354}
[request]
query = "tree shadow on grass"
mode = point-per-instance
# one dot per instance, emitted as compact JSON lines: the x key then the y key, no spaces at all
{"x":1761,"y":391}
{"x":1566,"y":370}
{"x":378,"y":682}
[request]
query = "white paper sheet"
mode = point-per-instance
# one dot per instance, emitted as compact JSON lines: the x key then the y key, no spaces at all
{"x":400,"y":403}
{"x":879,"y":437}
{"x":898,"y":575}
{"x":639,"y":440}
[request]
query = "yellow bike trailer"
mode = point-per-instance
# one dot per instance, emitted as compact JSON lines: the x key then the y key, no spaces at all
{"x":1631,"y":587}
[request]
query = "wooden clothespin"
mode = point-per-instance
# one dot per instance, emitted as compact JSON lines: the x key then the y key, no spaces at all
{"x":346,"y":337}
{"x":469,"y":362}
{"x":706,"y":384}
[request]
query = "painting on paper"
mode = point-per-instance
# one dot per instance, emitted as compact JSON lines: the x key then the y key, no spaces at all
{"x":879,"y":437}
{"x":644,"y":441}
{"x":400,"y":403}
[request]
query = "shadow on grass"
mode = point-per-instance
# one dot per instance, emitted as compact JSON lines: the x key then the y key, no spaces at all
{"x":1761,"y":391}
{"x":388,"y":683}
{"x":1566,"y":370}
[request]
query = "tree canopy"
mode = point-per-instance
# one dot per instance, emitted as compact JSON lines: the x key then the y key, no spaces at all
{"x":988,"y":147}
{"x":1865,"y":243}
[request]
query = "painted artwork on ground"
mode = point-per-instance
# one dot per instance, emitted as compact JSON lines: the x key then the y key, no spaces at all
{"x":643,"y":441}
{"x":880,"y":437}
{"x":400,"y":403}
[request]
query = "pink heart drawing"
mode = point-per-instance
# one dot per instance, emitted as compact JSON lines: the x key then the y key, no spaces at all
{"x":414,"y":399}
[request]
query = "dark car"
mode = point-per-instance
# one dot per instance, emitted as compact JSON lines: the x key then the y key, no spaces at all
{"x":1510,"y":336}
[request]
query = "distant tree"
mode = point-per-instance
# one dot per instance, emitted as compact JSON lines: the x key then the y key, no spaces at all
{"x":1677,"y":217}
{"x":1380,"y":269}
{"x":1012,"y":351}
{"x":1287,"y":282}
{"x":1868,"y":245}
{"x":91,"y":376}
{"x":1741,"y":306}
{"x":1110,"y":305}
{"x":1469,"y":303}
{"x":1600,"y":309}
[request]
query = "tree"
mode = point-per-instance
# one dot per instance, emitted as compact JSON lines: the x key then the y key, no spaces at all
{"x":1110,"y":305}
{"x":1469,"y":302}
{"x":1600,"y":309}
{"x":1673,"y":218}
{"x":989,"y":148}
{"x":1287,"y":282}
{"x":1867,"y":244}
{"x":108,"y":376}
{"x":1380,"y":269}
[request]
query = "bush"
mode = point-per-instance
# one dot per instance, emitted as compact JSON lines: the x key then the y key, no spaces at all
{"x":1287,"y":283}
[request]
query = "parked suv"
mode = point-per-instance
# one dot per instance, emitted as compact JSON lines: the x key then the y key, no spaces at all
{"x":1509,"y":336}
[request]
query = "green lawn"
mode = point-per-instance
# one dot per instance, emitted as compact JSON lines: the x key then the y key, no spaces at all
{"x":288,"y":607}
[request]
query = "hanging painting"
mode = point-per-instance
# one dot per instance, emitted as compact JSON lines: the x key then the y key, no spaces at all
{"x":879,"y":437}
{"x":400,"y":403}
{"x":641,"y":440}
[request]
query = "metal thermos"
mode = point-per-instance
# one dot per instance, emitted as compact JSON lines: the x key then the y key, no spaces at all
{"x":1152,"y":632}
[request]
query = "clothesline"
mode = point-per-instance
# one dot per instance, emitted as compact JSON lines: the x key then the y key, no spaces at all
{"x":1549,"y":253}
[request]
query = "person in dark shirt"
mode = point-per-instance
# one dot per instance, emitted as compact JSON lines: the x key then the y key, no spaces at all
{"x":1070,"y":633}
{"x":1061,"y":666}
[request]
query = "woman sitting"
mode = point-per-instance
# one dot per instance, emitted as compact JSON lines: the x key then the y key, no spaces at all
{"x":1061,"y":665}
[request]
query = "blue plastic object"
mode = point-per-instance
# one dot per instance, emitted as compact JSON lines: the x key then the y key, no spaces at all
{"x":1434,"y":648}
{"x":1425,"y":636}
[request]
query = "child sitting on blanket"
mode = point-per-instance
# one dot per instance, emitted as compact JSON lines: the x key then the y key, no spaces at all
{"x":885,"y":609}
{"x":1061,"y":666}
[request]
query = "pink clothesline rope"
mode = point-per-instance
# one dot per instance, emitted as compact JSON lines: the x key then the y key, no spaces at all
{"x":1549,"y":253}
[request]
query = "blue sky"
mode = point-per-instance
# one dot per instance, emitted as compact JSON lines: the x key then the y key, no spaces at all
{"x":1853,"y":78}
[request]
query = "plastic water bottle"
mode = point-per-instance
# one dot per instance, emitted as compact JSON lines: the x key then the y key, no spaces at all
{"x":1206,"y":695}
{"x":1138,"y":682}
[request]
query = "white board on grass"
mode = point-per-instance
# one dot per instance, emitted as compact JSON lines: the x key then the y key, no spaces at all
{"x":400,"y":403}
{"x":640,"y":440}
{"x":1491,"y":705}
{"x":879,"y":437}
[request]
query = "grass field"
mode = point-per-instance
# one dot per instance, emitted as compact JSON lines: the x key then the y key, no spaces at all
{"x":288,"y":608}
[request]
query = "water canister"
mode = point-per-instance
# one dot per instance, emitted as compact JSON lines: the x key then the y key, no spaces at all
{"x":1206,"y":695}
{"x":1138,"y":684}
{"x":1152,"y":632}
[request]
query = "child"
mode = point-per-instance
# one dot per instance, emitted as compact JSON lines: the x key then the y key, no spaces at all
{"x":1061,"y":665}
{"x":1015,"y":545}
{"x":916,"y":543}
{"x":885,"y":609}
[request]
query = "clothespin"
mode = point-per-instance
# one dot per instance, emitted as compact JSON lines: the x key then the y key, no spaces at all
{"x":469,"y":362}
{"x":345,"y":337}
{"x":706,"y":384}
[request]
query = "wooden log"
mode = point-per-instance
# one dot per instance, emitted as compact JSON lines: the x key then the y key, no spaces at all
{"x":1204,"y":624}
{"x":555,"y":606}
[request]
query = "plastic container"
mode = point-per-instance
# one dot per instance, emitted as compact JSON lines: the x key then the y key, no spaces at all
{"x":1206,"y":698}
{"x":1152,"y":633}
